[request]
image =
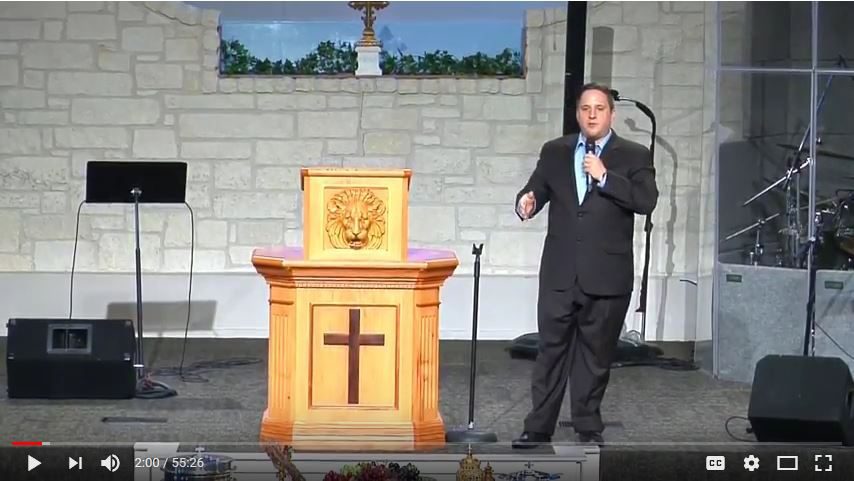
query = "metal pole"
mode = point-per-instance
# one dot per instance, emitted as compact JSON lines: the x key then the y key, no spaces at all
{"x":834,"y":71}
{"x":716,"y":371}
{"x":809,"y":346}
{"x":783,"y":70}
{"x":473,"y":374}
{"x":136,"y":192}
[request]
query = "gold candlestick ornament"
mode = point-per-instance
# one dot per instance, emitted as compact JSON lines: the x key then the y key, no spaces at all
{"x":369,"y":9}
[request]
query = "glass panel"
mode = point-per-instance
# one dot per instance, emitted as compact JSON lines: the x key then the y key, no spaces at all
{"x":763,"y":118}
{"x":835,"y":35}
{"x":834,"y":250}
{"x":835,"y":174}
{"x":766,"y":34}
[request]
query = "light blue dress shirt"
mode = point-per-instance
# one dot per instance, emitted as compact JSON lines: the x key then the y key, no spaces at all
{"x":580,"y":152}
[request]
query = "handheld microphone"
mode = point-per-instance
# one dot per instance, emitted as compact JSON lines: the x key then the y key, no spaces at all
{"x":590,"y":148}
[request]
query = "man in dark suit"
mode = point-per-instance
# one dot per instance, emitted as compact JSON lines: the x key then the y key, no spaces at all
{"x":595,"y":183}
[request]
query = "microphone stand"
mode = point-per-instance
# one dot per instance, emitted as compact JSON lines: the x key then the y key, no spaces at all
{"x":642,"y":301}
{"x":136,"y":192}
{"x":146,"y":387}
{"x":469,"y":434}
{"x":809,"y":253}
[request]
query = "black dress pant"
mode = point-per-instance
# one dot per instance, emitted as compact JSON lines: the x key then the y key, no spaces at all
{"x":578,"y":341}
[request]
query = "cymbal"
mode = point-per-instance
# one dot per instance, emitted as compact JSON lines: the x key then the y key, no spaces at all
{"x":822,"y":152}
{"x":829,"y":200}
{"x":761,"y":222}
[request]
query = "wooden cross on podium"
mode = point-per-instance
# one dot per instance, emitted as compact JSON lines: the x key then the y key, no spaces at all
{"x":353,"y":340}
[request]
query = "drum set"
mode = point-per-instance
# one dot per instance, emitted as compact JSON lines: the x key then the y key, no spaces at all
{"x":833,"y":243}
{"x":833,"y":223}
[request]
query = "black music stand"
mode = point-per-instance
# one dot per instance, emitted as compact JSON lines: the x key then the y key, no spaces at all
{"x":132,"y":182}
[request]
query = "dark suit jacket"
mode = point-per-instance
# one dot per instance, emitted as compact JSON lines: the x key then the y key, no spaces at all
{"x":592,"y":242}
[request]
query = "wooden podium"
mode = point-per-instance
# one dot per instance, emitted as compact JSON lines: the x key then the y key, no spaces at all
{"x":354,"y":320}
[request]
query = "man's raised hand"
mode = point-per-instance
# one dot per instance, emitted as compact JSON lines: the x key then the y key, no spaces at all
{"x":526,"y":205}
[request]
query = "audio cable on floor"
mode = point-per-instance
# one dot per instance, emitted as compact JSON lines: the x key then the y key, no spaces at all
{"x":73,"y":262}
{"x":189,"y":289}
{"x":193,"y":373}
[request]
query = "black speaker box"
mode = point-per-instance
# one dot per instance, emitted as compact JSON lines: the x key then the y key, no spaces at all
{"x":802,"y":399}
{"x":70,"y":358}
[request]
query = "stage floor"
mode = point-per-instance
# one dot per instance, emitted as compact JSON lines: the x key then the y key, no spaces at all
{"x":642,"y":405}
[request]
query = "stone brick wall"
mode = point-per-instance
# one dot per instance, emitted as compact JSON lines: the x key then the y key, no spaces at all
{"x":103,"y":80}
{"x":84,"y":81}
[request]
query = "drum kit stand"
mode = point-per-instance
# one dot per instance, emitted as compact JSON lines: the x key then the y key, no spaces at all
{"x":834,"y":229}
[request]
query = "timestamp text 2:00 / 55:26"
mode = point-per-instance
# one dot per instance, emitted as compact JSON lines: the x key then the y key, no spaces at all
{"x":190,"y":462}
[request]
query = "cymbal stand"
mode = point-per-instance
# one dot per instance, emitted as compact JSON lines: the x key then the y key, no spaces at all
{"x":840,"y":63}
{"x":793,"y":228}
{"x":793,"y":214}
{"x":758,"y":223}
{"x":758,"y":249}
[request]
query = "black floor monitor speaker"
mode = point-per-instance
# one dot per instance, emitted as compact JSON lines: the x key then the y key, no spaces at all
{"x":70,"y":358}
{"x":802,"y":399}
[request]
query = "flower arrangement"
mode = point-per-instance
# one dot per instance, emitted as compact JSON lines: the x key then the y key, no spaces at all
{"x":374,"y":471}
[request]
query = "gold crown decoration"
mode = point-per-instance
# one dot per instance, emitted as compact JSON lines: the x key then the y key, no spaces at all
{"x":369,"y":38}
{"x":469,"y":468}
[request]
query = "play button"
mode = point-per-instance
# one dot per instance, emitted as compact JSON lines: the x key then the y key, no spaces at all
{"x":32,"y":463}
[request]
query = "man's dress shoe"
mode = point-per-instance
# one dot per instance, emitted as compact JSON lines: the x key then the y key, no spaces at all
{"x":530,"y":440}
{"x":590,"y":437}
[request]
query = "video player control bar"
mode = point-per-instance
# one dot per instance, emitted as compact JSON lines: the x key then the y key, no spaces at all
{"x":35,"y":461}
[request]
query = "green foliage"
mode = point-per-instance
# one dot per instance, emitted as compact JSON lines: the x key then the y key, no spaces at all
{"x":507,"y":63}
{"x":326,"y":59}
{"x":330,"y":58}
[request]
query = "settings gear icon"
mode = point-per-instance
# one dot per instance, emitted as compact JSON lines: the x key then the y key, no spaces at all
{"x":751,"y":463}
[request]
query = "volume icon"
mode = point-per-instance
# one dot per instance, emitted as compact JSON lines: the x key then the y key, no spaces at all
{"x":111,"y":462}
